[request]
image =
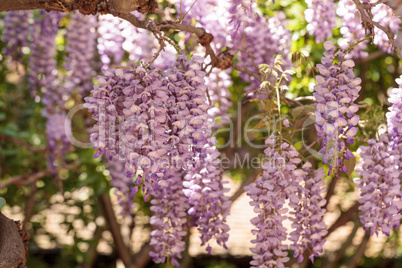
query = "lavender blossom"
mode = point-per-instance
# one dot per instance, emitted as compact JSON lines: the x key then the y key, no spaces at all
{"x":380,"y":186}
{"x":308,"y":214}
{"x":320,"y":16}
{"x":205,"y":191}
{"x":81,"y":38}
{"x":394,"y":118}
{"x":57,"y":141}
{"x":169,"y":206}
{"x":42,"y":65}
{"x":16,"y":32}
{"x":268,"y":193}
{"x":125,"y":188}
{"x":335,"y":92}
{"x":352,"y":29}
{"x":264,"y":40}
{"x":383,"y":14}
{"x":110,"y":40}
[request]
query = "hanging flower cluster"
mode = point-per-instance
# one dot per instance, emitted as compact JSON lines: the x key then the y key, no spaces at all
{"x":169,"y":205}
{"x":335,"y":92}
{"x":15,"y":32}
{"x":110,"y":40}
{"x":320,"y":16}
{"x":42,"y":65}
{"x":380,"y":186}
{"x":159,"y":126}
{"x":352,"y":29}
{"x":206,"y":195}
{"x":264,"y":39}
{"x":308,"y":214}
{"x":81,"y":42}
{"x":43,"y":76}
{"x":281,"y":180}
{"x":394,"y":118}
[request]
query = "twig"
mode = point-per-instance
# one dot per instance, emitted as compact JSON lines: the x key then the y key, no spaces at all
{"x":344,"y":218}
{"x":25,"y":179}
{"x":121,"y":249}
{"x":360,"y":251}
{"x":30,"y":204}
{"x":23,"y":143}
{"x":246,"y":182}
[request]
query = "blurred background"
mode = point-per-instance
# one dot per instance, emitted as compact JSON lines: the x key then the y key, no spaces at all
{"x":74,"y":218}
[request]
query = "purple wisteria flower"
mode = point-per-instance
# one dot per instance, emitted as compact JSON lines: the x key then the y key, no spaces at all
{"x":320,"y":16}
{"x":384,"y":15}
{"x":308,"y":213}
{"x":169,"y":220}
{"x":158,"y":125}
{"x":264,"y":40}
{"x":42,"y":65}
{"x":394,"y":118}
{"x":241,"y":12}
{"x":380,"y":186}
{"x":16,"y":32}
{"x":125,"y":188}
{"x":81,"y":39}
{"x":281,"y":182}
{"x":43,"y":76}
{"x":110,"y":40}
{"x":205,"y":191}
{"x":335,"y":92}
{"x":218,"y":83}
{"x":352,"y":29}
{"x":57,"y":141}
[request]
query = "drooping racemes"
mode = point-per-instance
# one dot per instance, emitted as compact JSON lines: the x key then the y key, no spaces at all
{"x":157,"y":123}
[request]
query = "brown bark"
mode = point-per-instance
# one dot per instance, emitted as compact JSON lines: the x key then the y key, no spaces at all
{"x":13,"y":251}
{"x":84,"y":6}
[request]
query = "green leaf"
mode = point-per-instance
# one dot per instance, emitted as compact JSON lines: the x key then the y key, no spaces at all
{"x":2,"y":202}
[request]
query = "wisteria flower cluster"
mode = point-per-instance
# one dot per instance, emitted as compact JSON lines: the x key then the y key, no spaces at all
{"x":169,"y":205}
{"x":42,"y":65}
{"x":264,"y":39}
{"x":380,"y":186}
{"x":117,"y":36}
{"x":320,"y":16}
{"x":241,"y":13}
{"x":159,"y":126}
{"x":394,"y":118}
{"x":206,"y":195}
{"x":81,"y":42}
{"x":335,"y":93}
{"x":281,"y":180}
{"x":16,"y":32}
{"x":43,"y":76}
{"x":308,"y":213}
{"x":352,"y":29}
{"x":110,"y":40}
{"x":123,"y":185}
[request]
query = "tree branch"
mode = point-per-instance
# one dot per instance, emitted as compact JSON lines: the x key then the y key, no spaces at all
{"x":25,"y":179}
{"x":13,"y":253}
{"x":367,"y":20}
{"x":114,"y":228}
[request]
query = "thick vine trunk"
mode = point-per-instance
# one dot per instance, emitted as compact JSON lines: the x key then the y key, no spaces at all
{"x":13,"y":251}
{"x":86,"y":7}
